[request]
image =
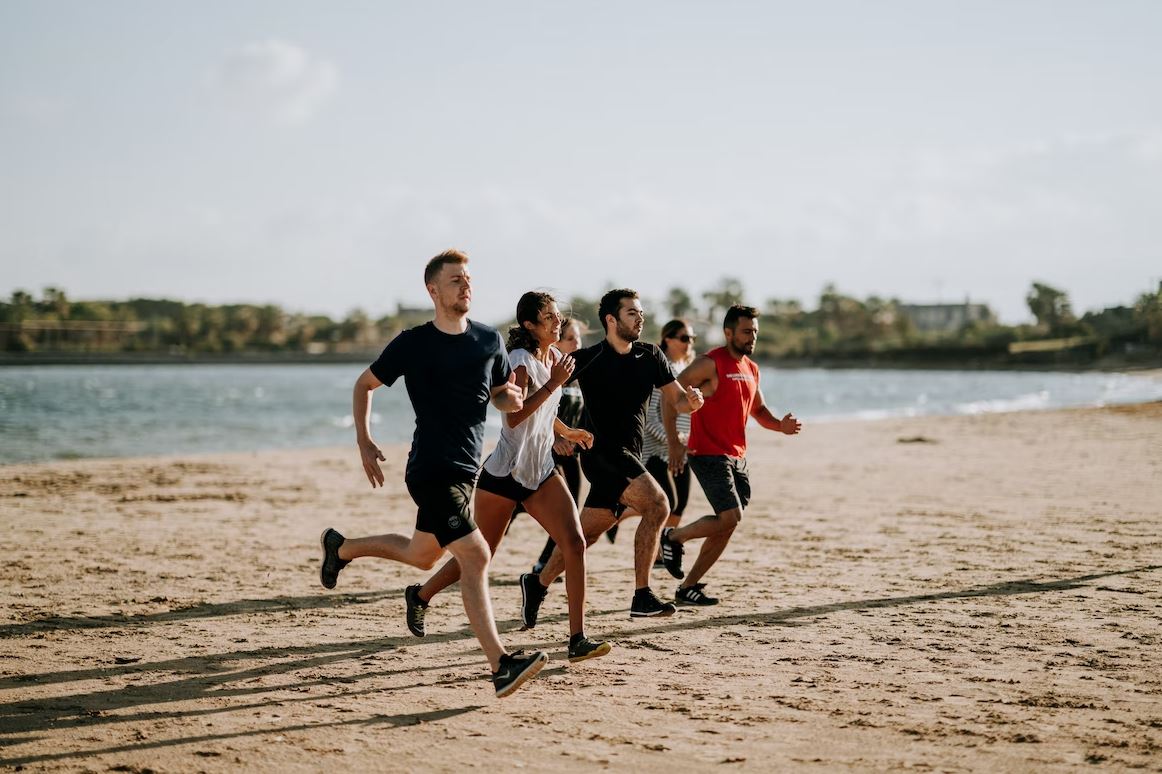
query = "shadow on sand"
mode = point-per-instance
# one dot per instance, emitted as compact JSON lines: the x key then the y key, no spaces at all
{"x":215,"y":672}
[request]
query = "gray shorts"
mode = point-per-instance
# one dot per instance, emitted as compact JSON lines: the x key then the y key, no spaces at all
{"x":723,"y":479}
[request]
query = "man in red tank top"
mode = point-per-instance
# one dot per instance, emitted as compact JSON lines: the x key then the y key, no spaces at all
{"x":729,"y":380}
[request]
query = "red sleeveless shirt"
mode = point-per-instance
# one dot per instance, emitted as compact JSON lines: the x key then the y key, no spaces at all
{"x":719,"y":427}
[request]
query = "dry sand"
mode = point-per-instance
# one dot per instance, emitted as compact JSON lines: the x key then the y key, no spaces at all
{"x":984,"y":597}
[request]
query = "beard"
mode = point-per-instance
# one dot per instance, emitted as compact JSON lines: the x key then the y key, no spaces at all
{"x":738,"y":346}
{"x":626,"y":333}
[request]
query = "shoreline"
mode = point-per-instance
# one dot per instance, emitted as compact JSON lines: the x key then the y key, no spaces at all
{"x":1148,"y":407}
{"x":1107,"y":364}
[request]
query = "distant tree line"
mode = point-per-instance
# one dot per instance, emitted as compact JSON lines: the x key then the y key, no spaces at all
{"x":839,"y":328}
{"x":845,"y":328}
{"x":55,"y":323}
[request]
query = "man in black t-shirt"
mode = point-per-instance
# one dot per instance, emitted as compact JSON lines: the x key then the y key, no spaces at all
{"x":617,"y":376}
{"x":452,"y":368}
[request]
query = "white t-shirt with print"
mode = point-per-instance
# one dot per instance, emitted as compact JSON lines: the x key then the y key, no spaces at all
{"x":526,"y":451}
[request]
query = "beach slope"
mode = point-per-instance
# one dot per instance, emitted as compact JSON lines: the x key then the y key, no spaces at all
{"x":958,"y":593}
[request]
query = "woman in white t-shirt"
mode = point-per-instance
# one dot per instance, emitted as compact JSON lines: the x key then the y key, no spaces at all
{"x":521,"y":468}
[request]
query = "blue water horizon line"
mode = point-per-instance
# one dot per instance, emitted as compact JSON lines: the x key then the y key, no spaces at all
{"x":82,"y":412}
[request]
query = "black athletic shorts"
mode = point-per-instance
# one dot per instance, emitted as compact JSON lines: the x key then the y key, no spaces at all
{"x":723,"y":479}
{"x":444,"y":506}
{"x":609,"y":474}
{"x":508,"y":487}
{"x":677,"y":488}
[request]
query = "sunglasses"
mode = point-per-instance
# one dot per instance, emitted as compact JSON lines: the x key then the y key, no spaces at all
{"x":686,"y":338}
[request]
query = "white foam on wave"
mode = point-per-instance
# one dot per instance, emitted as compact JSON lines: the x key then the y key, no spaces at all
{"x":1123,"y":388}
{"x":1032,"y":401}
{"x":869,"y":415}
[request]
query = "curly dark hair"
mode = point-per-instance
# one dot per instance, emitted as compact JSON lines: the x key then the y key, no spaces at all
{"x":611,"y":303}
{"x":528,"y":309}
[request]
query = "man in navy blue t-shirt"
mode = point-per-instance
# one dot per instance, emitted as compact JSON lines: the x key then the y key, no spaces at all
{"x":452,"y":368}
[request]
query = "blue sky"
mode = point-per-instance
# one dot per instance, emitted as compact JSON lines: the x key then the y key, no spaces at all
{"x":315,"y":155}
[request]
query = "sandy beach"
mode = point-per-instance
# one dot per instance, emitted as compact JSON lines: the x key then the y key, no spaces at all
{"x":950,"y":594}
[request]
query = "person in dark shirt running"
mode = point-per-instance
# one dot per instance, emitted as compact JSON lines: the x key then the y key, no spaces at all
{"x":521,"y":470}
{"x":452,"y":368}
{"x":617,"y":376}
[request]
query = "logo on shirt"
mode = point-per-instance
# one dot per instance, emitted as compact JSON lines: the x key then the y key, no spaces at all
{"x":740,"y":377}
{"x":454,"y":522}
{"x":638,"y":355}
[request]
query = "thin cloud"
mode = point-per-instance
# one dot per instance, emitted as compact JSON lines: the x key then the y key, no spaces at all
{"x":277,"y":80}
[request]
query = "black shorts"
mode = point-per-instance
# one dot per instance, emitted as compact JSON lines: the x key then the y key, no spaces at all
{"x":444,"y":506}
{"x":508,"y":487}
{"x":609,"y":474}
{"x":677,"y":488}
{"x":723,"y":479}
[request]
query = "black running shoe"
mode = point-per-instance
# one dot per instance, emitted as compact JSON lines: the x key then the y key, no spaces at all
{"x":515,"y":669}
{"x":584,"y":648}
{"x":532,"y":594}
{"x":611,"y":533}
{"x":416,"y":610}
{"x":672,"y":554}
{"x":330,"y":540}
{"x":647,"y":605}
{"x":693,"y":595}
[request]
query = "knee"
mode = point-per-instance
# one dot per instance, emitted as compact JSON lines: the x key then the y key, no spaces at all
{"x":730,"y":519}
{"x":573,"y":545}
{"x":426,"y":563}
{"x":593,"y":527}
{"x":474,"y":560}
{"x":657,"y":508}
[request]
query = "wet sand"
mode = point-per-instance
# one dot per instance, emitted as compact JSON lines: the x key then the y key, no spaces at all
{"x":953,"y":594}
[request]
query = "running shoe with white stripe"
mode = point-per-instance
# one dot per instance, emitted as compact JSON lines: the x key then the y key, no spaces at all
{"x":693,"y":595}
{"x":672,"y":552}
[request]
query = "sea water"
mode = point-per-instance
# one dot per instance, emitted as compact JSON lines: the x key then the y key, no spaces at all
{"x":66,"y":412}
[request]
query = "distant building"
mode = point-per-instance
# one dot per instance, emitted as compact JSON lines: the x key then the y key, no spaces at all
{"x":411,"y":316}
{"x":946,"y":318}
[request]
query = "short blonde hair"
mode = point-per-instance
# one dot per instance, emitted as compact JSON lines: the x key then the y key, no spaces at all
{"x":437,"y":263}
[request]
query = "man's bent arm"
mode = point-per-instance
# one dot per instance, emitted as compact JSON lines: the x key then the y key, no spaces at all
{"x":766,"y":419}
{"x":369,"y":453}
{"x":699,"y":374}
{"x":683,"y":400}
{"x":361,"y":403}
{"x":507,"y":397}
{"x":670,"y":421}
{"x":675,"y":395}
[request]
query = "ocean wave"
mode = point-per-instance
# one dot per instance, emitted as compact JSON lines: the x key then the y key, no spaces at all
{"x":1033,"y":401}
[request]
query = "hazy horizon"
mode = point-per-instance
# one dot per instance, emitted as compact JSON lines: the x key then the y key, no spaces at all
{"x":315,"y":158}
